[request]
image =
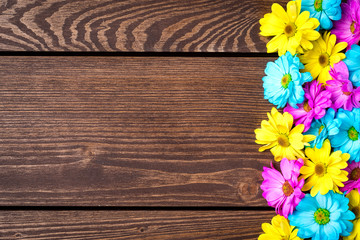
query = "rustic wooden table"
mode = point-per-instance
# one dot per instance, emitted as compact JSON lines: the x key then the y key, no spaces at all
{"x":132,"y":119}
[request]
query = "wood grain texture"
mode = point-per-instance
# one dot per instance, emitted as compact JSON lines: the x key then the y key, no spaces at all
{"x":148,"y":225}
{"x":131,"y":131}
{"x":133,"y":25}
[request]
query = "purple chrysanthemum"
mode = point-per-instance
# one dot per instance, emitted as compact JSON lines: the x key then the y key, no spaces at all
{"x":354,"y":177}
{"x":317,"y":99}
{"x":347,"y":29}
{"x":343,"y":93}
{"x":283,"y":190}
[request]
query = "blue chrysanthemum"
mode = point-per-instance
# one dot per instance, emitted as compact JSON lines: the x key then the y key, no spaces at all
{"x":323,"y":10}
{"x":347,"y":226}
{"x":347,"y":140}
{"x":325,"y":217}
{"x":352,"y":61}
{"x":283,"y":81}
{"x":323,"y":128}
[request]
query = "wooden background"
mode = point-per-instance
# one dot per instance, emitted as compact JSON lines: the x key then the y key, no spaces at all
{"x":132,"y":119}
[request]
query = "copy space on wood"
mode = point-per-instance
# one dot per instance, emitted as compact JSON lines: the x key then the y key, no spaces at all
{"x":131,"y":131}
{"x":133,"y":25}
{"x":147,"y":225}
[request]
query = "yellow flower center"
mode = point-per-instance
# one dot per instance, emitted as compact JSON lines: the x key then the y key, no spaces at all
{"x":290,"y":30}
{"x":347,"y":93}
{"x":318,"y":5}
{"x":324,"y":60}
{"x":352,"y":27}
{"x":353,"y":134}
{"x":285,"y":80}
{"x":355,"y":174}
{"x":320,"y":169}
{"x":283,"y":140}
{"x":321,"y":128}
{"x":356,"y":211}
{"x":287,"y":189}
{"x":322,"y":216}
{"x":307,"y":108}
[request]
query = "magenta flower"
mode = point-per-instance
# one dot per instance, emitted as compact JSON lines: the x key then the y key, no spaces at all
{"x":283,"y":190}
{"x":347,"y":29}
{"x":317,"y":99}
{"x":342,"y":90}
{"x":353,"y":169}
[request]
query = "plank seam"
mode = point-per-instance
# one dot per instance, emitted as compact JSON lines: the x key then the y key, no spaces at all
{"x":115,"y":208}
{"x":141,"y":54}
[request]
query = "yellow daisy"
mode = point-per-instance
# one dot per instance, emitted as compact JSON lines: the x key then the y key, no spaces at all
{"x":278,"y":135}
{"x":323,"y":170}
{"x":292,"y":30}
{"x":354,"y":206}
{"x":323,"y":56}
{"x":278,"y":229}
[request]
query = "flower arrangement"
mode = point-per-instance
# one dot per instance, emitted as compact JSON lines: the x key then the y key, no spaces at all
{"x":315,"y":188}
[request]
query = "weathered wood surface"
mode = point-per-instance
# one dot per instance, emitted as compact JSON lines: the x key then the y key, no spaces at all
{"x":148,"y":225}
{"x":131,"y":131}
{"x":133,"y":25}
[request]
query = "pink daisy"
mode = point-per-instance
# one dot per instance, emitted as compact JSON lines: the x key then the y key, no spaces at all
{"x":283,"y":190}
{"x":353,"y":169}
{"x":347,"y":29}
{"x":342,"y":90}
{"x":317,"y":99}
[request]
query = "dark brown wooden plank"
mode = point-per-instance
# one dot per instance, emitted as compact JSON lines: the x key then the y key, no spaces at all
{"x":131,"y":131}
{"x":148,"y":225}
{"x":133,"y":25}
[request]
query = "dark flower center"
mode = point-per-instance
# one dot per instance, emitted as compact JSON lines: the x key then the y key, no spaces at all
{"x":285,"y":81}
{"x":321,"y":128}
{"x":290,"y":30}
{"x":347,"y":93}
{"x":283,"y":141}
{"x":353,"y":134}
{"x":356,"y":211}
{"x":287,"y":189}
{"x":322,"y":216}
{"x":318,"y":5}
{"x":320,"y":169}
{"x":307,"y":108}
{"x":355,"y":174}
{"x":324,"y":59}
